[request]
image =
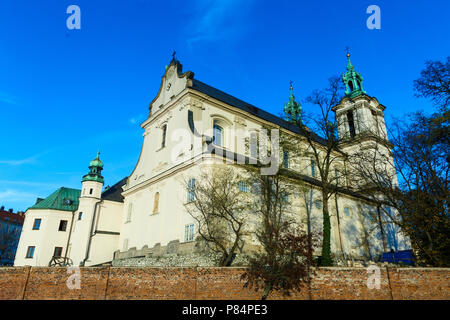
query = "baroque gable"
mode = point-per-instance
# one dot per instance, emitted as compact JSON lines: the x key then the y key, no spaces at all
{"x":173,"y":82}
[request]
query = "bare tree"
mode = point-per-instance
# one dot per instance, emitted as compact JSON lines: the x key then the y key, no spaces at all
{"x":418,"y":201}
{"x":286,"y":257}
{"x":323,"y":147}
{"x":220,"y":209}
{"x":434,"y":82}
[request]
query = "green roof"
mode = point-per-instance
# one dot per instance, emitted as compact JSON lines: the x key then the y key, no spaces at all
{"x":65,"y":199}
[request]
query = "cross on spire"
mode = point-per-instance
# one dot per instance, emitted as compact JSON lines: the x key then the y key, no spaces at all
{"x":173,"y":54}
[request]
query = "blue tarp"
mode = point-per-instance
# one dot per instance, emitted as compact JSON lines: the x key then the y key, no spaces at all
{"x":402,"y":256}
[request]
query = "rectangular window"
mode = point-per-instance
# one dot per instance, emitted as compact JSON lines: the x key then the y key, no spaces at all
{"x":80,"y":214}
{"x":189,"y":232}
{"x":243,"y":186}
{"x":57,"y":252}
{"x":351,"y":124}
{"x":37,"y":224}
{"x":191,"y":190}
{"x":156,"y":203}
{"x":164,"y":133}
{"x":253,"y":145}
{"x":285,"y":159}
{"x":347,"y":212}
{"x":130,"y":211}
{"x":90,"y":191}
{"x":30,"y":252}
{"x":217,"y":135}
{"x":313,"y":168}
{"x":62,"y":225}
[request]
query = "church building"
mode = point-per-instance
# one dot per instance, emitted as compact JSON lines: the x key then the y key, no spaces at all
{"x":191,"y":125}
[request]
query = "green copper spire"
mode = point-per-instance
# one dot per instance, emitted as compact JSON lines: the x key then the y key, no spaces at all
{"x":95,"y":170}
{"x":292,"y":109}
{"x":352,"y":80}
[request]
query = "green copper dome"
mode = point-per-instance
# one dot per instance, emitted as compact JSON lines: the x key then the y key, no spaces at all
{"x":96,"y":162}
{"x":95,"y":170}
{"x":352,"y":80}
{"x":293,"y":109}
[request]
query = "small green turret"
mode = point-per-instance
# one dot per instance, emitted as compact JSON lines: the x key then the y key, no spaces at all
{"x":352,"y":81}
{"x":95,"y":170}
{"x":293,"y":109}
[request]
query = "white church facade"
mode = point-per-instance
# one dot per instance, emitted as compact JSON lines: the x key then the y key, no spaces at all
{"x":192,"y":125}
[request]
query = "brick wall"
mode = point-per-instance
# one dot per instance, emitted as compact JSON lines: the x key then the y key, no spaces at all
{"x":215,"y":283}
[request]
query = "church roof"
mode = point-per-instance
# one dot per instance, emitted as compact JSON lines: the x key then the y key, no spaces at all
{"x":114,"y":193}
{"x":64,"y":199}
{"x":235,"y":102}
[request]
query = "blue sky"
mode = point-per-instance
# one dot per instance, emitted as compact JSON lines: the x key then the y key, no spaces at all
{"x":64,"y":94}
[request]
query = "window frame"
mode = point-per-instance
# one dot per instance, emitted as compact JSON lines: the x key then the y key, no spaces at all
{"x":313,"y":167}
{"x":191,"y":190}
{"x":38,"y":226}
{"x":54,"y":252}
{"x":163,"y":135}
{"x":253,"y":144}
{"x":125,"y":244}
{"x":129,"y":212}
{"x":189,"y":231}
{"x":32,"y":249}
{"x":217,"y":126}
{"x":63,"y":223}
{"x":156,"y":203}
{"x":285,"y":159}
{"x":243,"y":186}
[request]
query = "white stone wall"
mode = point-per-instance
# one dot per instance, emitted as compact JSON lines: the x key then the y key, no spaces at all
{"x":45,"y":239}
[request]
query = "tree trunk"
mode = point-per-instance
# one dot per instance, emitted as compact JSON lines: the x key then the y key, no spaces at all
{"x":326,"y":241}
{"x":267,"y":290}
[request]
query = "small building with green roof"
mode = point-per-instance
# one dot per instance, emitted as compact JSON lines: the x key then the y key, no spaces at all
{"x":63,"y":199}
{"x":65,"y":219}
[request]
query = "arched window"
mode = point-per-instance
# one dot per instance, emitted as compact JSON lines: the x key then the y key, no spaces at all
{"x":350,"y":84}
{"x":156,"y":203}
{"x":191,"y":190}
{"x":164,"y":133}
{"x":217,"y":135}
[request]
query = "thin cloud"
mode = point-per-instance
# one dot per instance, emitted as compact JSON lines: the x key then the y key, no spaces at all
{"x":28,"y":160}
{"x":15,"y":195}
{"x":7,"y":98}
{"x":28,"y":183}
{"x":137,"y":119}
{"x":18,"y":162}
{"x":216,"y":20}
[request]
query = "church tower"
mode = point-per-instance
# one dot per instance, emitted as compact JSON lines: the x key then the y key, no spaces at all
{"x":293,"y":109}
{"x":92,"y":183}
{"x":88,"y":208}
{"x":359,"y":116}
